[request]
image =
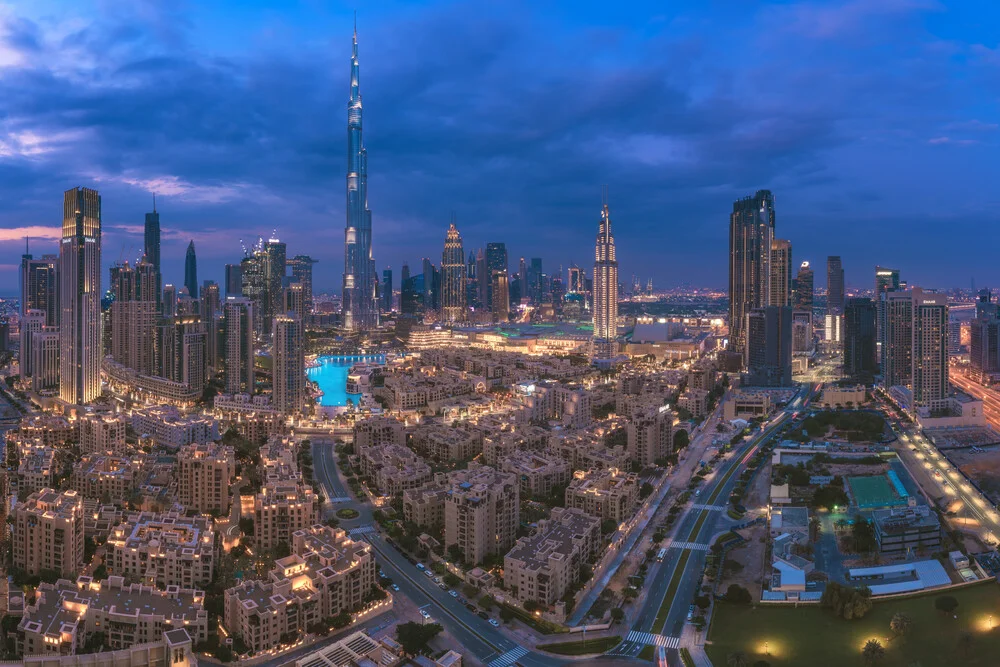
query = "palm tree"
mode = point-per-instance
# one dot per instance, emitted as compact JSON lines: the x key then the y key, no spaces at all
{"x":737,"y":659}
{"x":900,"y":624}
{"x":873,"y":652}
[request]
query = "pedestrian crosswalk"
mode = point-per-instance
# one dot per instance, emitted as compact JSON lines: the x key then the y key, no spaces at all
{"x":653,"y":639}
{"x":510,"y":657}
{"x":692,"y":546}
{"x":340,"y":499}
{"x":711,"y":508}
{"x":361,"y":530}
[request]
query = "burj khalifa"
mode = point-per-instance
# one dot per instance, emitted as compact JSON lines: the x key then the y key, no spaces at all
{"x":359,"y":306}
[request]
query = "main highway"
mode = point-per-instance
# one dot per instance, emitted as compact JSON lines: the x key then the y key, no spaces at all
{"x":671,"y":585}
{"x":989,"y":397}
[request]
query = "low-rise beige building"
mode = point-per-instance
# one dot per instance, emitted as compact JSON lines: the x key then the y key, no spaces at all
{"x":538,"y":475}
{"x":376,"y":431}
{"x":203,"y":475}
{"x":281,"y":509}
{"x":650,"y":433}
{"x":108,"y":478}
{"x":605,"y":494}
{"x":481,"y":512}
{"x":169,"y":428}
{"x":425,"y":506}
{"x":695,"y":401}
{"x":499,"y":444}
{"x":101,"y":433}
{"x":393,"y":469}
{"x":48,"y":533}
{"x":163,"y":550}
{"x":544,"y":566}
{"x":35,"y":469}
{"x":253,"y":417}
{"x":64,"y":614}
{"x":326,"y":574}
{"x":443,"y":442}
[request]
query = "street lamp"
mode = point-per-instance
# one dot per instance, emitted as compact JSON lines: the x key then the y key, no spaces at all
{"x":767,"y":650}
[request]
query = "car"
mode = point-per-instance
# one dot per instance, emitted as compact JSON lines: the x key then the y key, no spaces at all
{"x":453,"y":594}
{"x":461,"y":600}
{"x":420,"y":566}
{"x":690,"y":613}
{"x":428,"y":573}
{"x":395,"y":587}
{"x":437,"y":580}
{"x":426,"y":616}
{"x":442,"y":587}
{"x":471,"y":607}
{"x":494,"y":623}
{"x":483,"y":615}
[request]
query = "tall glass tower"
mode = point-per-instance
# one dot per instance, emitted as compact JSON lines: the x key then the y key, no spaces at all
{"x":359,"y":306}
{"x":80,"y":349}
{"x":751,"y":229}
{"x":453,"y":302}
{"x":191,"y":271}
{"x":605,"y":289}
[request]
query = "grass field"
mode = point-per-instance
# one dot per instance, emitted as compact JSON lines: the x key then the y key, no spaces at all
{"x":815,"y":637}
{"x":583,"y":647}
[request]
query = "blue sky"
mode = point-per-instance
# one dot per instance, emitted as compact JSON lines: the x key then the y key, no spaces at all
{"x":875,"y":124}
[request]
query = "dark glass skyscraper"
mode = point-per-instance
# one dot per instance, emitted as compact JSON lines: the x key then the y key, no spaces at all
{"x":302,"y":272}
{"x":386,"y":290}
{"x":769,"y":347}
{"x":804,"y":288}
{"x":359,"y":308}
{"x":191,"y":271}
{"x":496,"y":260}
{"x":751,"y":230}
{"x":834,"y":285}
{"x":860,"y":359}
{"x":152,"y":248}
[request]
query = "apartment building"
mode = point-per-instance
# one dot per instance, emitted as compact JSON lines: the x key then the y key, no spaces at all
{"x":43,"y":429}
{"x":203,"y":474}
{"x":443,"y":442}
{"x":376,"y":431}
{"x":109,"y":478}
{"x":538,"y":474}
{"x":163,"y":549}
{"x":604,"y":493}
{"x":544,"y":566}
{"x":695,"y":401}
{"x":326,"y":574}
{"x":100,"y":433}
{"x":650,"y":434}
{"x":393,"y":469}
{"x":584,"y":450}
{"x":254,"y":417}
{"x":500,"y":443}
{"x":35,"y":469}
{"x":172,"y":430}
{"x":62,"y":615}
{"x":281,"y":509}
{"x":48,"y":533}
{"x":425,"y":506}
{"x":481,"y":511}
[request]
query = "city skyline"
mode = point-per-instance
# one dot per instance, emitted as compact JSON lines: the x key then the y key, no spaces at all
{"x":219,"y":202}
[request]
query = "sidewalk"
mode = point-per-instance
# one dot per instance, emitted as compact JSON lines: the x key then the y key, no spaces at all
{"x":694,"y":642}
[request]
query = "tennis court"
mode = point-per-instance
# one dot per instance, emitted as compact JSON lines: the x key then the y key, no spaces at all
{"x":874,"y":492}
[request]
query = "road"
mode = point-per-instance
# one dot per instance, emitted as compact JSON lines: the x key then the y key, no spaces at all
{"x":989,"y":397}
{"x":671,"y":586}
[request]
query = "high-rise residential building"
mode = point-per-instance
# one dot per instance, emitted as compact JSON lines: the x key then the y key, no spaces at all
{"x":181,"y":351}
{"x":134,"y":316}
{"x":533,"y":287}
{"x":32,"y":322}
{"x":191,"y":271}
{"x":522,"y":278}
{"x":80,"y":349}
{"x":496,"y":260}
{"x":804,"y":288}
{"x":274,"y":274}
{"x":48,"y":533}
{"x":386,"y":290}
{"x":781,"y":273}
{"x":481,"y":512}
{"x":860,"y":351}
{"x":500,"y":306}
{"x":802,"y":331}
{"x":930,"y":349}
{"x":234,"y":280}
{"x":211,"y":308}
{"x":151,"y":247}
{"x":886,"y":280}
{"x":293,"y":300}
{"x":239,"y":345}
{"x":288,"y":355}
{"x":253,"y":271}
{"x":407,"y":292}
{"x":45,"y":360}
{"x":453,"y":301}
{"x":769,"y":347}
{"x":650,"y":434}
{"x":431,"y":287}
{"x":605,"y":289}
{"x":896,"y":355}
{"x":169,"y":301}
{"x":751,"y":229}
{"x":203,"y":476}
{"x":358,"y":300}
{"x":40,"y":286}
{"x":577,"y":280}
{"x":984,"y":337}
{"x":472,"y":282}
{"x":484,"y":279}
{"x":834,"y":285}
{"x":302,"y":272}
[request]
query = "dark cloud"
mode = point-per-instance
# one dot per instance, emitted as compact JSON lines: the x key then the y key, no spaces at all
{"x":509,"y":118}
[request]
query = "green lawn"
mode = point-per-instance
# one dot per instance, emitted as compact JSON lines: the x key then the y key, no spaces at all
{"x":582,"y":647}
{"x":809,"y":635}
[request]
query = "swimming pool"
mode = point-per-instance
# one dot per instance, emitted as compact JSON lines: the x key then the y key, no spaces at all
{"x":330,"y":373}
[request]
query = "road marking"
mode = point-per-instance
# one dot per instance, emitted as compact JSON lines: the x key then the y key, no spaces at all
{"x":510,"y":657}
{"x":341,"y":499}
{"x":710,"y":508}
{"x":653,"y":639}
{"x":693,"y":546}
{"x":361,"y":530}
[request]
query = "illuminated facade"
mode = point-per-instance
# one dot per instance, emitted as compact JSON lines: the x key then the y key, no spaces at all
{"x":605,"y":290}
{"x":453,"y":301}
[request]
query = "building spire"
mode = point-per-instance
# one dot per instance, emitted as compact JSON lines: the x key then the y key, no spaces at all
{"x":154,"y":202}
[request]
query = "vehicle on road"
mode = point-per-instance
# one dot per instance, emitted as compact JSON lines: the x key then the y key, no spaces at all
{"x":437,"y":580}
{"x":395,"y":587}
{"x":453,"y":594}
{"x":690,"y":613}
{"x":428,"y":573}
{"x":471,"y":607}
{"x":483,"y":615}
{"x":494,"y":623}
{"x":660,"y":556}
{"x":442,"y":587}
{"x":420,"y":566}
{"x":425,"y":615}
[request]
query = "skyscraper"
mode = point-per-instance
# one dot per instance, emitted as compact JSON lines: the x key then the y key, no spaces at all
{"x":239,"y":345}
{"x":834,"y":285}
{"x":577,"y":280}
{"x":472,"y":282}
{"x":496,"y":260}
{"x":453,"y":302}
{"x":484,"y":279}
{"x":151,"y":248}
{"x":191,"y":271}
{"x":751,"y":229}
{"x":211,"y":305}
{"x":930,"y":349}
{"x":134,"y":315}
{"x":605,"y":288}
{"x":860,"y":359}
{"x":253,"y":273}
{"x":407,"y":292}
{"x":886,"y":280}
{"x":501,"y":296}
{"x":234,"y":280}
{"x":768,"y":356}
{"x":781,"y":273}
{"x":302,"y":272}
{"x":522,"y":279}
{"x":39,"y":302}
{"x":896,"y":355}
{"x":984,"y":338}
{"x":431,"y":286}
{"x":169,"y":301}
{"x":804,"y":288}
{"x":80,"y":349}
{"x":387,"y":290}
{"x":358,"y":306}
{"x":289,"y":364}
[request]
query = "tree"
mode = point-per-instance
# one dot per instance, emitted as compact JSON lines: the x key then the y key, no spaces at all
{"x":246,"y":525}
{"x":341,"y":620}
{"x":702,"y":602}
{"x":738,"y":595}
{"x":532,"y":606}
{"x":900,"y":624}
{"x":414,"y":637}
{"x":645,"y":490}
{"x":737,"y":659}
{"x":452,"y":580}
{"x":455,"y":554}
{"x":681,"y":440}
{"x":873,"y":652}
{"x":617,"y":614}
{"x":946,"y":604}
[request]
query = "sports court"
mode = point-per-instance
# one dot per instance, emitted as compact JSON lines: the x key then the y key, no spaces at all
{"x":877,"y":491}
